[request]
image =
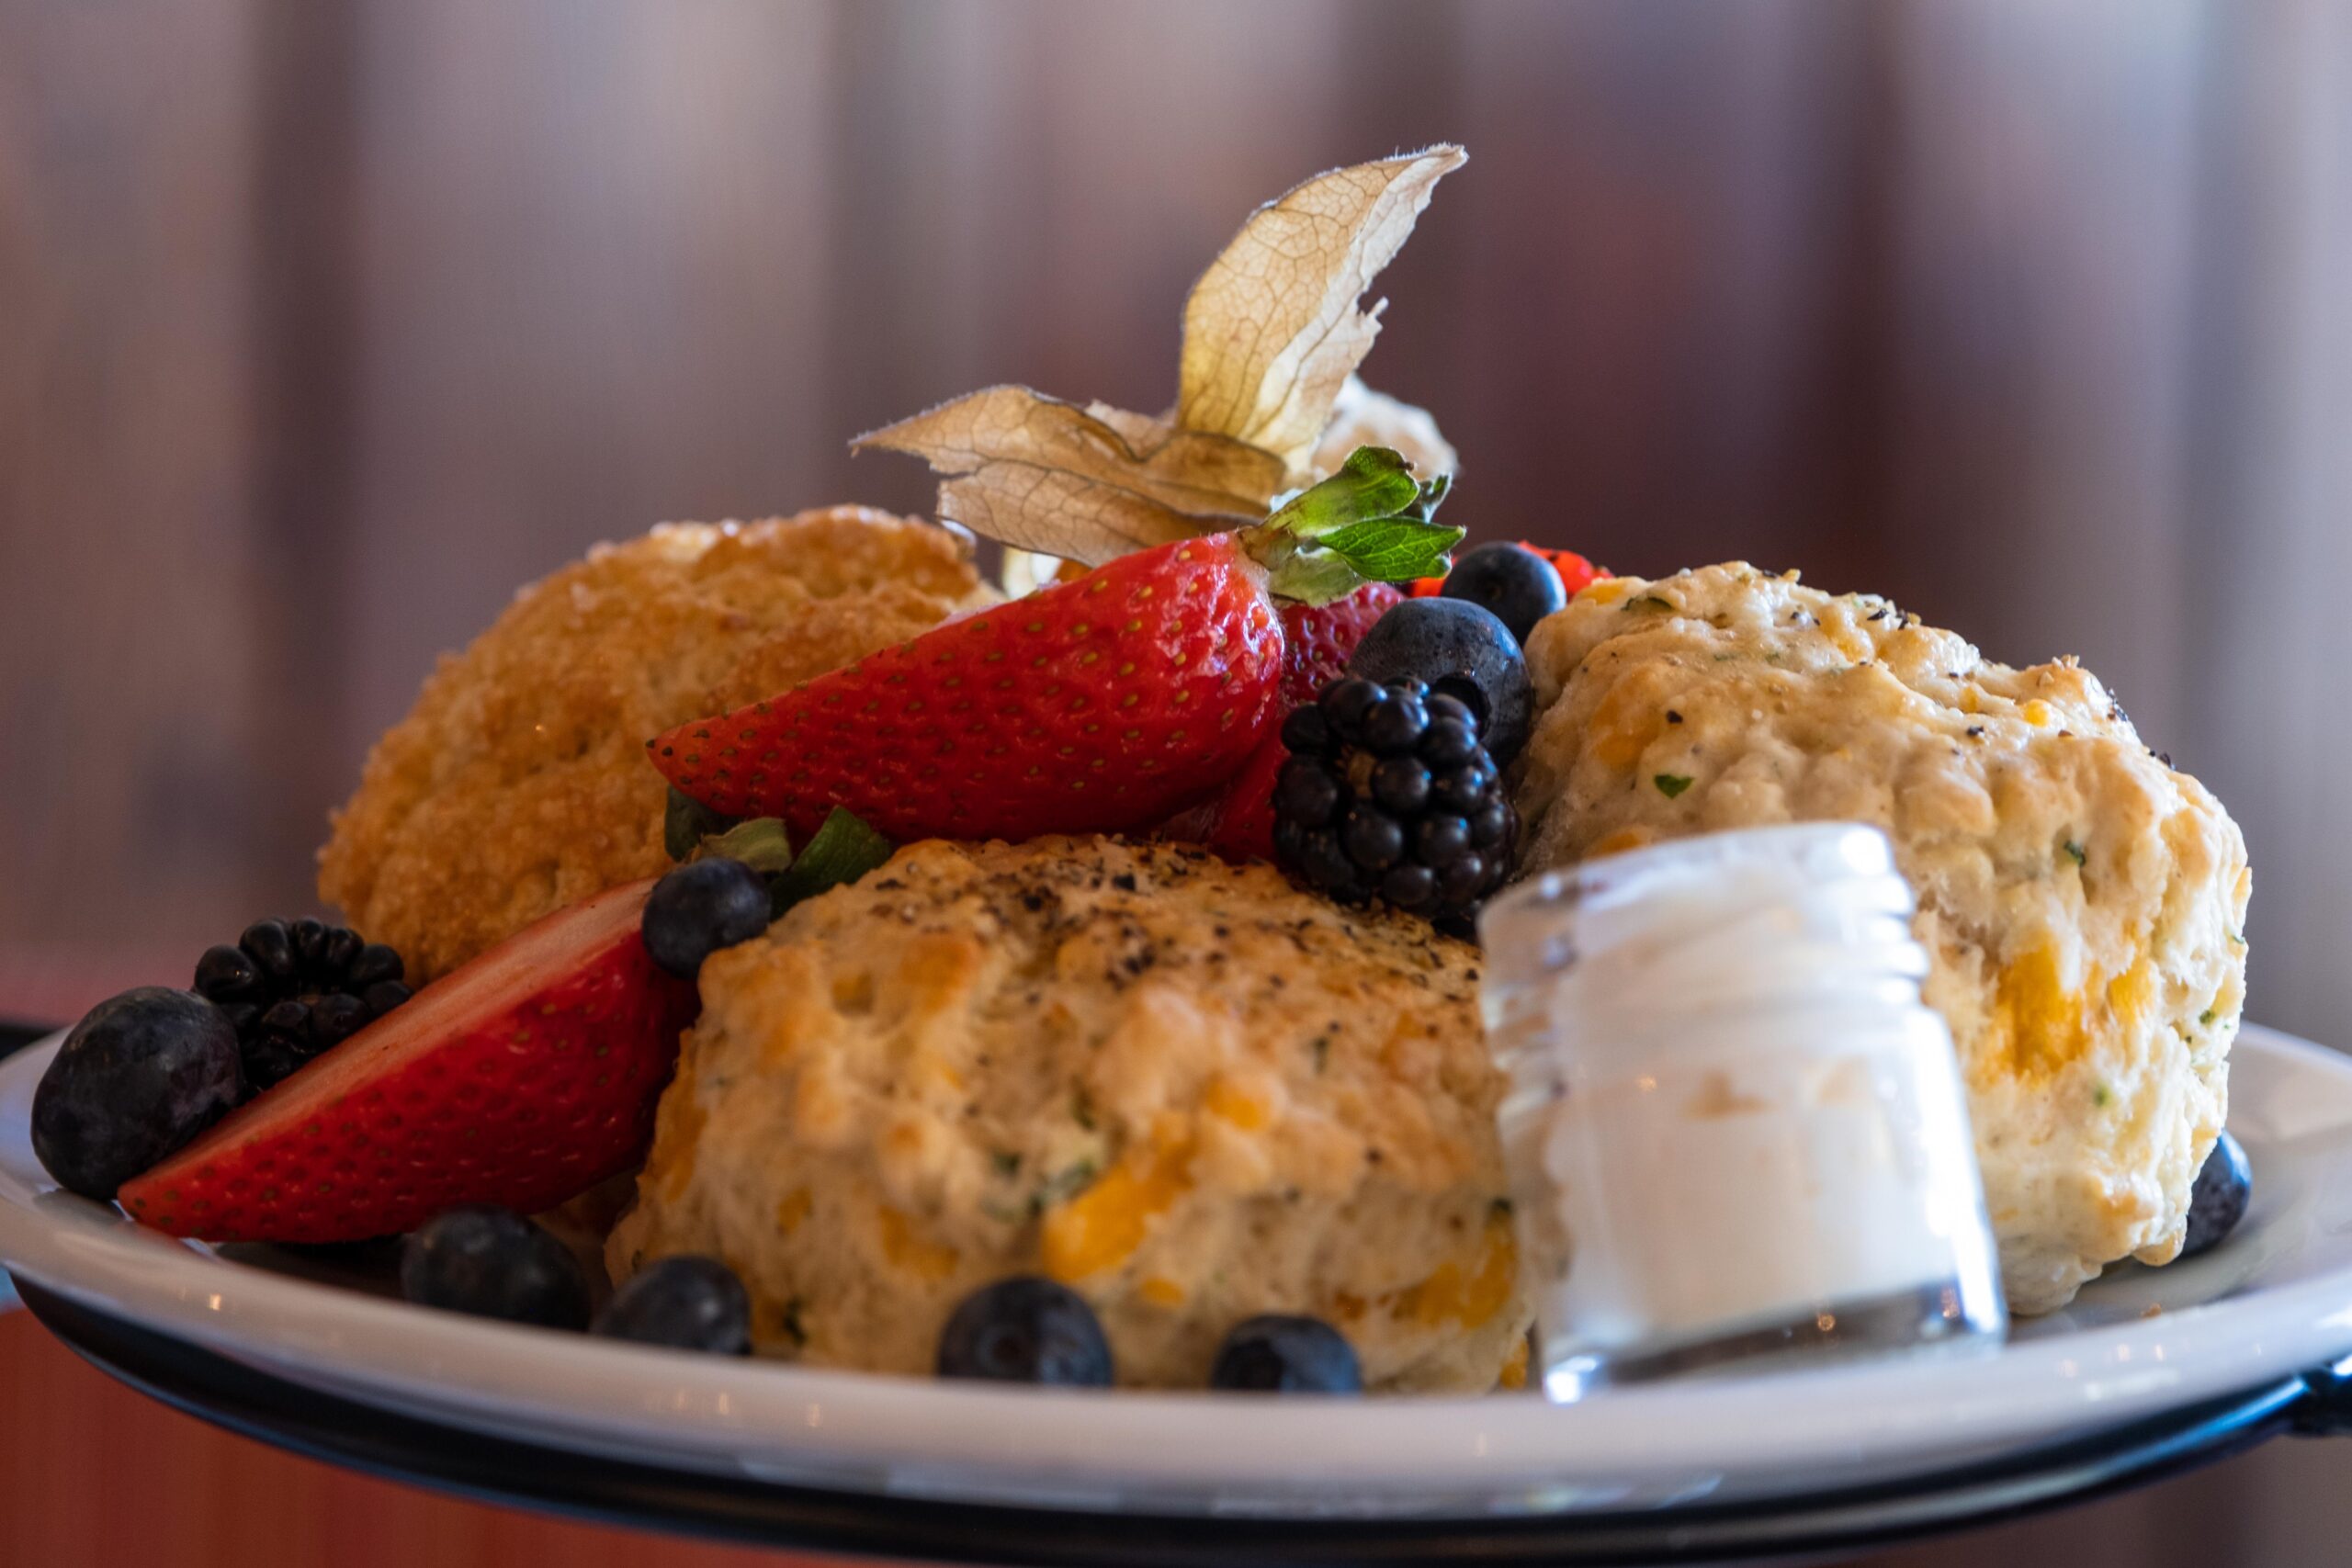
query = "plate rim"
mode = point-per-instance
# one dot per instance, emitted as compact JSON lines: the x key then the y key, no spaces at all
{"x":917,"y":1438}
{"x":498,"y":1470}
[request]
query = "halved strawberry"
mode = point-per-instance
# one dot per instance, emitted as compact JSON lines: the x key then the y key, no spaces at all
{"x":525,"y":1076}
{"x":1099,"y":705}
{"x":1088,"y":706}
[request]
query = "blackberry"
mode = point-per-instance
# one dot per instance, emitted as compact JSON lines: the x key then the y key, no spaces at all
{"x":292,"y":988}
{"x":1389,"y":794}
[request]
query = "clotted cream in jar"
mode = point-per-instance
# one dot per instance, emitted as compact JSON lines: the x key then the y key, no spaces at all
{"x":1734,"y":1130}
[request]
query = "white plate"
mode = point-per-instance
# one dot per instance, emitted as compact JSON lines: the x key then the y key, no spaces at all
{"x":2275,"y":1301}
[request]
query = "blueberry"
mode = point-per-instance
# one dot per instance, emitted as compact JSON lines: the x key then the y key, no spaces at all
{"x":1275,"y":1354}
{"x":2218,"y":1201}
{"x":1520,"y":586}
{"x":687,"y":1302}
{"x":492,"y":1262}
{"x":1025,"y":1330}
{"x":1463,"y":651}
{"x":140,"y":1076}
{"x":700,"y":908}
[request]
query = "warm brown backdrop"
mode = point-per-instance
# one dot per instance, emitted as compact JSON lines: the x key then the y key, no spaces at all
{"x":322,"y":326}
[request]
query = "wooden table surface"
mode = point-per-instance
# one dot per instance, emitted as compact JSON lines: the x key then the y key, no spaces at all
{"x":94,"y":1475}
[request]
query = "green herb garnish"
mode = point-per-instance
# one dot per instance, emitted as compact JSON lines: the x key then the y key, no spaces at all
{"x":2205,"y":1018}
{"x":1007,"y":1163}
{"x":1671,"y":784}
{"x":1069,"y":1184}
{"x":843,"y":849}
{"x":1650,"y":603}
{"x":2075,"y":850}
{"x":2100,"y":1095}
{"x":762,"y":843}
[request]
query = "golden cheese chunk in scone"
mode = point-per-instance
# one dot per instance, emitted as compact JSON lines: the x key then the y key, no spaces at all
{"x":2082,"y":903}
{"x":518,"y":784}
{"x":1186,"y":1089}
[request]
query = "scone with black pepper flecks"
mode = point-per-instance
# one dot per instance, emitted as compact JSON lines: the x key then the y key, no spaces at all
{"x":2082,"y":902}
{"x":1187,"y":1089}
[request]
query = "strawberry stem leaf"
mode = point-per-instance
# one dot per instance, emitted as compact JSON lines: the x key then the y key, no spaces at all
{"x":1368,"y":522}
{"x":842,"y":850}
{"x":687,"y":822}
{"x":760,"y":843}
{"x":1373,"y":482}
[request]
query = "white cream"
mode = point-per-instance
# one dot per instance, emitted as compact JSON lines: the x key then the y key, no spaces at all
{"x":1734,"y":1125}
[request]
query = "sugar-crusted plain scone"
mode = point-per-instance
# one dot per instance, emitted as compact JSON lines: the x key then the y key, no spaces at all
{"x":518,"y":784}
{"x":2082,"y":902}
{"x":1186,"y":1089}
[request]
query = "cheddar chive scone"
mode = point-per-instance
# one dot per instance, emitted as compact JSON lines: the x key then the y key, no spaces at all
{"x":2082,"y":902}
{"x":518,"y":784}
{"x":1188,"y":1090}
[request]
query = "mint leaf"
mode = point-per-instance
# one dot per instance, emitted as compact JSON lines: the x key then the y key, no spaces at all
{"x":842,"y":850}
{"x":762,"y":843}
{"x":1671,"y":784}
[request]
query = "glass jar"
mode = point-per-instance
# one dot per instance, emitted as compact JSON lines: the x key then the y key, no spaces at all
{"x":1733,"y":1130}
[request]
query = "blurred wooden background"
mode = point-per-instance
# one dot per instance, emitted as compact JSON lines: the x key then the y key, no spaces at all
{"x":322,"y":326}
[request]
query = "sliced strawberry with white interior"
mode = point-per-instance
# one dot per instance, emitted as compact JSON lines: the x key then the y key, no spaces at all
{"x":526,"y":1077}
